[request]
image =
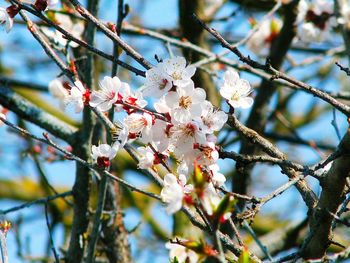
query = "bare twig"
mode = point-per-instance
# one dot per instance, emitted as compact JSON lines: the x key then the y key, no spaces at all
{"x":36,"y":202}
{"x":57,"y":259}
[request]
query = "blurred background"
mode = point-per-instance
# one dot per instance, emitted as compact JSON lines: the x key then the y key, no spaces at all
{"x":301,"y":128}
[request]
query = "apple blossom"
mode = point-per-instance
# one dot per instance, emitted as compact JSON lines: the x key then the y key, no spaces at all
{"x":103,"y":154}
{"x":236,"y":90}
{"x":181,"y":253}
{"x":174,"y":191}
{"x":6,"y":19}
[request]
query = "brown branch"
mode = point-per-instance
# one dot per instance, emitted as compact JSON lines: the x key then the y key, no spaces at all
{"x":332,"y":196}
{"x":112,"y":35}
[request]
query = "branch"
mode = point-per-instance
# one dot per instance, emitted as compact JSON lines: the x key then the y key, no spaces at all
{"x":36,"y":202}
{"x":82,"y":43}
{"x":332,"y":195}
{"x":110,"y":34}
{"x":31,"y":113}
{"x":276,"y":74}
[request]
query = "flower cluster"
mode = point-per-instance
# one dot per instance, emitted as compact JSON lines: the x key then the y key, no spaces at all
{"x":181,"y":127}
{"x":315,"y":20}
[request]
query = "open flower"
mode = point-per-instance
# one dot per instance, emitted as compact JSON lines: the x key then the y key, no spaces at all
{"x":127,"y":96}
{"x":139,"y":125}
{"x":315,"y":20}
{"x":174,"y":191}
{"x":182,"y":254}
{"x":180,"y":73}
{"x":147,"y":157}
{"x":6,"y":19}
{"x":236,"y":90}
{"x":78,"y":96}
{"x":161,"y":134}
{"x":59,"y":91}
{"x":185,"y":102}
{"x":104,"y":98}
{"x":185,"y":136}
{"x":157,"y":83}
{"x":260,"y":41}
{"x":103,"y":154}
{"x":211,"y":119}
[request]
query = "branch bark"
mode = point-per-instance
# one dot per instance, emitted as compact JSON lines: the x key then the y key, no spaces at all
{"x":333,"y":193}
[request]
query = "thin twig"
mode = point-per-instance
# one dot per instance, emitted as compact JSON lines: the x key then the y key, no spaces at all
{"x":36,"y":202}
{"x":57,"y":259}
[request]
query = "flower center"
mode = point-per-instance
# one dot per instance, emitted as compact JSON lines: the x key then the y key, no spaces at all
{"x":190,"y":129}
{"x":176,"y":75}
{"x":110,"y":95}
{"x":163,"y":84}
{"x":185,"y":102}
{"x":318,"y":20}
{"x":235,"y":96}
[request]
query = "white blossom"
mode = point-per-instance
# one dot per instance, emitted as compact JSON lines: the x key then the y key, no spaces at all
{"x":208,"y":154}
{"x":129,"y":96}
{"x":236,"y":90}
{"x":345,"y":14}
{"x":173,"y":192}
{"x":104,"y":98}
{"x":57,"y":89}
{"x":52,"y":3}
{"x":76,"y":96}
{"x":218,"y":179}
{"x":103,"y":153}
{"x":5,"y":19}
{"x":161,"y":134}
{"x":147,"y":157}
{"x":184,"y":136}
{"x":185,"y":102}
{"x":211,"y":119}
{"x":180,"y":73}
{"x":157,"y":83}
{"x":140,"y":125}
{"x":182,"y":254}
{"x":261,"y":40}
{"x":315,"y":20}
